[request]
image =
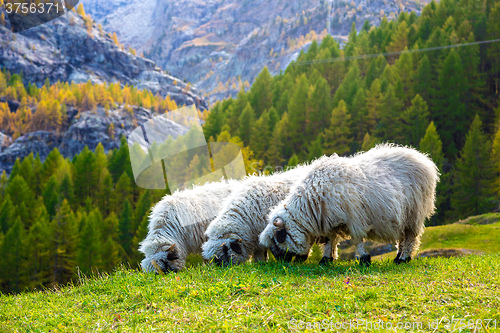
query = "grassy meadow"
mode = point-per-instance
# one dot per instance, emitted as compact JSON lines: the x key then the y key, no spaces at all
{"x":274,"y":296}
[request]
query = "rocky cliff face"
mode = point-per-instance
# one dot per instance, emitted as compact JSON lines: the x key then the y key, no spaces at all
{"x":216,"y":43}
{"x":82,"y":129}
{"x":70,"y":49}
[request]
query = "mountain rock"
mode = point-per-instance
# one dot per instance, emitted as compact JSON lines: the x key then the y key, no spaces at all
{"x":73,"y":48}
{"x":219,"y":44}
{"x":85,"y":129}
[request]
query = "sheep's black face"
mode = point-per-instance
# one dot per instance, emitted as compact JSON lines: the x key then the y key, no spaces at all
{"x":289,"y":241}
{"x":167,"y":261}
{"x":225,"y":251}
{"x":281,"y":254}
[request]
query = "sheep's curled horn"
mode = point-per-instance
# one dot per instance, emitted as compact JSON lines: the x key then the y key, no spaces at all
{"x":281,"y":232}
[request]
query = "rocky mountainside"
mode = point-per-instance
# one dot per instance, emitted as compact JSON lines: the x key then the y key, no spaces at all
{"x":73,"y":48}
{"x":219,"y":44}
{"x":81,"y":129}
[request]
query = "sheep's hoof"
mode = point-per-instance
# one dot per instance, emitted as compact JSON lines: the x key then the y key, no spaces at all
{"x":325,"y":261}
{"x":398,"y":261}
{"x":365,"y":260}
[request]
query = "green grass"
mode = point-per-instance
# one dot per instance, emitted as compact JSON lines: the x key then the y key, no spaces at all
{"x":265,"y":297}
{"x":268,"y":296}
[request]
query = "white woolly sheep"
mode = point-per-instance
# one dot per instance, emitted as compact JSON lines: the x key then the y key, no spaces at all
{"x":234,"y":235}
{"x":178,"y":222}
{"x":384,"y":194}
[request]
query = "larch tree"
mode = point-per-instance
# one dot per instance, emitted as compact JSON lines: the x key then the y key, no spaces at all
{"x":474,"y":174}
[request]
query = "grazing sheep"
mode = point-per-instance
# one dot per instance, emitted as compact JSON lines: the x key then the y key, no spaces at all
{"x":178,"y":222}
{"x":234,"y":235}
{"x":384,"y":194}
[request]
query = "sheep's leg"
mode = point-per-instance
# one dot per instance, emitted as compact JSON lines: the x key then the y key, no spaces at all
{"x":408,"y":247}
{"x":260,"y":255}
{"x":327,"y":252}
{"x":330,"y":249}
{"x":399,"y":245}
{"x":364,"y":257}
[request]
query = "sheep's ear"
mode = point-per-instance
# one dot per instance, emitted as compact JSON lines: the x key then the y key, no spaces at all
{"x":236,"y":246}
{"x":172,"y":253}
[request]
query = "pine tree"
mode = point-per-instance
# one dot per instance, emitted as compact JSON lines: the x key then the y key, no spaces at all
{"x":51,"y":196}
{"x":368,"y":142}
{"x":12,"y":257}
{"x":337,"y":138}
{"x":37,"y":247}
{"x":297,"y":113}
{"x":246,"y":122}
{"x":88,"y":248}
{"x":474,"y":174}
{"x":450,"y":114}
{"x":86,"y":175}
{"x":293,"y":162}
{"x":318,"y":105}
{"x":261,"y":97}
{"x":416,"y":121}
{"x":389,"y":126}
{"x":423,"y":79}
{"x":51,"y":164}
{"x":7,"y":214}
{"x":142,"y":210}
{"x":121,"y":193}
{"x":261,"y":136}
{"x":124,"y":227}
{"x":63,"y":244}
{"x":432,"y":145}
{"x":316,"y":149}
{"x":278,"y":153}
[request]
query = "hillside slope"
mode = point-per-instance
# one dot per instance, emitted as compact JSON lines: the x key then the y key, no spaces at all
{"x":72,"y":48}
{"x":215,"y":43}
{"x":271,"y":297}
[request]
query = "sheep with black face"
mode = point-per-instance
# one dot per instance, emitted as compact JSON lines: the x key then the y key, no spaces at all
{"x":178,"y":222}
{"x":234,"y":235}
{"x":385,"y":194}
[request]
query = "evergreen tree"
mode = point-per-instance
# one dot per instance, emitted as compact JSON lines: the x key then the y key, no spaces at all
{"x":260,"y":136}
{"x":51,"y":197}
{"x":12,"y":257}
{"x":88,"y":248}
{"x":121,"y":193}
{"x":316,"y":149}
{"x":142,"y":210}
{"x":86,"y":175}
{"x":297,"y":113}
{"x":63,"y":244}
{"x":432,"y":145}
{"x":37,"y":247}
{"x":474,"y":174}
{"x":261,"y":97}
{"x":124,"y":227}
{"x":450,"y":114}
{"x":423,"y":79}
{"x":293,"y":162}
{"x":7,"y":214}
{"x":389,"y":126}
{"x":368,"y":142}
{"x":416,"y":121}
{"x":337,"y":138}
{"x":246,"y":121}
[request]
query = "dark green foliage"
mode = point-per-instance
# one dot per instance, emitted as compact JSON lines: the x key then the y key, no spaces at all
{"x":474,"y":174}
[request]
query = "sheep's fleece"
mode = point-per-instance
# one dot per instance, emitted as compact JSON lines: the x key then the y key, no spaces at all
{"x":384,"y":194}
{"x":234,"y":235}
{"x":178,"y":222}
